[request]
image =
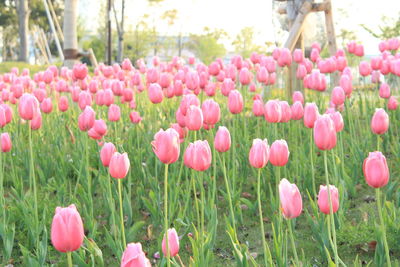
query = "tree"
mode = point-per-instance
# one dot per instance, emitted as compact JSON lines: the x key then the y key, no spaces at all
{"x":23,"y":19}
{"x":8,"y":18}
{"x":208,"y":46}
{"x":120,"y":30}
{"x":70,"y":32}
{"x":140,"y":40}
{"x":389,"y":29}
{"x":244,"y":43}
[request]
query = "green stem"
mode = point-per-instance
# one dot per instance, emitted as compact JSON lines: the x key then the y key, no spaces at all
{"x":377,"y":142}
{"x":111,"y":204}
{"x":88,"y":177}
{"x":228,"y":191}
{"x":69,"y":259}
{"x":166,"y":213}
{"x":289,"y":222}
{"x":277,"y":180}
{"x":383,"y":230}
{"x":121,"y":212}
{"x":33,"y":179}
{"x":332,"y":218}
{"x":267,"y":253}
{"x":195,"y":199}
{"x":312,"y":163}
{"x":203,"y":202}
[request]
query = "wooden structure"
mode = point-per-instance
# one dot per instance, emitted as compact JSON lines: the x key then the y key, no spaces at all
{"x":297,"y":12}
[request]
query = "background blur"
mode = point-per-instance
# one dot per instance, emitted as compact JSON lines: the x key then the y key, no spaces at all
{"x":204,"y":28}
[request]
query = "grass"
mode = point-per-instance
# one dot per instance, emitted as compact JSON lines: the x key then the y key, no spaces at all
{"x":59,"y":163}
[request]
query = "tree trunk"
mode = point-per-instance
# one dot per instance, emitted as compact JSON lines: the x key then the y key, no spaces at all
{"x":70,"y":35}
{"x":23,"y":18}
{"x":121,"y":35}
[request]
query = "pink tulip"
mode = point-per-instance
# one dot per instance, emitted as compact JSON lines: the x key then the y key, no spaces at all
{"x":192,"y":80}
{"x":227,"y":86}
{"x":134,"y":256}
{"x":337,"y":119}
{"x":108,"y":97}
{"x":325,"y":133}
{"x":376,"y":63}
{"x":323,"y":199}
{"x":86,"y":119}
{"x":285,"y":58}
{"x":298,"y":56}
{"x":359,"y":50}
{"x":173,"y":243}
{"x":259,"y":153}
{"x":180,"y":130}
{"x":258,"y":108}
{"x":100,"y":127}
{"x":114,"y":113}
{"x":80,"y":71}
{"x":198,"y":155}
{"x":222,"y":140}
{"x":392,"y":103}
{"x":211,"y":112}
{"x":5,"y":142}
{"x":262,"y":75}
{"x":3,"y":120}
{"x":384,"y":90}
{"x":8,"y":112}
{"x":187,"y":101}
{"x":46,"y":106}
{"x":346,"y":83}
{"x":106,"y":152}
{"x":63,"y":104}
{"x":290,"y":198}
{"x":135,"y":118}
{"x":155,"y":93}
{"x":194,"y":118}
{"x":36,"y":122}
{"x":28,"y":106}
{"x":67,"y":229}
{"x":84,"y":99}
{"x":286,"y":111}
{"x":310,"y":115}
{"x":298,"y":96}
{"x":279,"y":153}
{"x":376,"y":171}
{"x":273,"y":111}
{"x":380,"y":121}
{"x":166,"y":145}
{"x":297,"y":111}
{"x":314,"y":55}
{"x":235,"y":102}
{"x":338,"y":96}
{"x":364,"y":68}
{"x":244,"y":76}
{"x":119,"y":165}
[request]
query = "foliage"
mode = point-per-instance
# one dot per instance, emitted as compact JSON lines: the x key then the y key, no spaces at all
{"x":139,"y":41}
{"x":389,"y":28}
{"x":244,"y":43}
{"x":208,"y":46}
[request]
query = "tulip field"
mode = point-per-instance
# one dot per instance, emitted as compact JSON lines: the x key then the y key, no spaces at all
{"x":98,"y":164}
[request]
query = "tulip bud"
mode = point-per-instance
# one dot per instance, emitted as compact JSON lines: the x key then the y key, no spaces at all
{"x":222,"y":140}
{"x":376,"y":171}
{"x":323,"y":199}
{"x":119,"y":165}
{"x":290,"y":199}
{"x":67,"y":229}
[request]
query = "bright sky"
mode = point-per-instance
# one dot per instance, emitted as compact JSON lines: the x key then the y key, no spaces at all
{"x":233,"y":15}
